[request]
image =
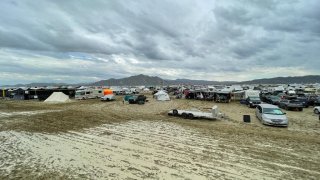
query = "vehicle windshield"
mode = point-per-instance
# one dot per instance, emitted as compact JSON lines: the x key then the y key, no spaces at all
{"x":302,"y":99}
{"x":275,"y":111}
{"x":275,"y":98}
{"x":255,"y":98}
{"x":80,"y":93}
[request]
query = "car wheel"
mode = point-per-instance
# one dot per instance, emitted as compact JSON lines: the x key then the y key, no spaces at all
{"x":316,"y":111}
{"x":190,"y":116}
{"x":175,"y":112}
{"x":286,"y":108}
{"x":300,"y":109}
{"x":184,"y":115}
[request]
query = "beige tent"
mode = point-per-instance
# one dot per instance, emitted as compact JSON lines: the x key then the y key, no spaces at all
{"x":57,"y":97}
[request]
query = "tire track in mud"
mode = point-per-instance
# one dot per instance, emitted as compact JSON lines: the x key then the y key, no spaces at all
{"x":139,"y":150}
{"x":201,"y":144}
{"x":160,"y":147}
{"x":25,"y":113}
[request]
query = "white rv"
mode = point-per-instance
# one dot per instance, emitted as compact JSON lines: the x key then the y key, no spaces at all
{"x":89,"y":94}
{"x":251,"y":93}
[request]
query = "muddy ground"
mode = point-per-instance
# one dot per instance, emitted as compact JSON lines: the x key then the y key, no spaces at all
{"x":111,"y":140}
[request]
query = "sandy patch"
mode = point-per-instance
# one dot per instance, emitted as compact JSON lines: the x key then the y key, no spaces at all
{"x":111,"y":140}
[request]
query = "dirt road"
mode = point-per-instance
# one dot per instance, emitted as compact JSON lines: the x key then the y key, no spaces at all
{"x":99,"y":140}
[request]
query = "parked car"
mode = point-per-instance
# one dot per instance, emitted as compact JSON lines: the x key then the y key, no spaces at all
{"x":316,"y":109}
{"x":253,"y":101}
{"x":271,"y":115}
{"x":312,"y":99}
{"x":304,"y":101}
{"x":300,"y":94}
{"x":281,"y":95}
{"x":275,"y":100}
{"x":291,"y":104}
{"x":317,"y":102}
{"x":265,"y":95}
{"x":108,"y":97}
{"x":134,"y":99}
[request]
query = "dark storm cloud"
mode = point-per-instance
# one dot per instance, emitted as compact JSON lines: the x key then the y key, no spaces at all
{"x":203,"y":39}
{"x":252,"y":47}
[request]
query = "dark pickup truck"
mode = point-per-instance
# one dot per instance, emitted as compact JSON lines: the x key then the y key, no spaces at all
{"x":133,"y":99}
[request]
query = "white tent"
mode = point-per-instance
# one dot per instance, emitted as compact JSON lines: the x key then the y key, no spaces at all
{"x":146,"y":90}
{"x":57,"y":97}
{"x":162,"y":96}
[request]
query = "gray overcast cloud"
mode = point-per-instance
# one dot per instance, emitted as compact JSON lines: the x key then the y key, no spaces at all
{"x":85,"y":41}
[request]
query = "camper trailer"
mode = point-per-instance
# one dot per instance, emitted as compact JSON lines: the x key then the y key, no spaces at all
{"x":89,"y":94}
{"x":252,"y":98}
{"x":251,"y":93}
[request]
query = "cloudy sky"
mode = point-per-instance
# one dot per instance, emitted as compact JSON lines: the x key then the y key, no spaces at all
{"x":84,"y":41}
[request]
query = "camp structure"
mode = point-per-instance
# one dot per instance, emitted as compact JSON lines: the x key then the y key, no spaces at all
{"x":107,"y":92}
{"x":17,"y":94}
{"x":57,"y":97}
{"x":146,"y":90}
{"x":161,"y":96}
{"x":88,"y":93}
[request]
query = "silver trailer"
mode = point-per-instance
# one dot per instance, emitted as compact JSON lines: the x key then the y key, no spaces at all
{"x":193,"y":114}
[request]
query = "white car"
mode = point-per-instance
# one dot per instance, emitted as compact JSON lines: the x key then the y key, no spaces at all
{"x":108,"y":97}
{"x":316,"y":109}
{"x":271,"y":115}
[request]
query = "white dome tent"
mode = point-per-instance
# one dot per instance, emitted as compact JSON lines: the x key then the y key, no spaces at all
{"x":162,"y":96}
{"x":57,"y":97}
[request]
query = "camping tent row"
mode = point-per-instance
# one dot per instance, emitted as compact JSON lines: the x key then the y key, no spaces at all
{"x":34,"y":93}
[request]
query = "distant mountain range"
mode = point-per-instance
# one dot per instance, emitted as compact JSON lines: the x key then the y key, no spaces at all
{"x":141,"y":79}
{"x":39,"y":84}
{"x":150,"y":80}
{"x":130,"y":81}
{"x":198,"y":82}
{"x":286,"y":80}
